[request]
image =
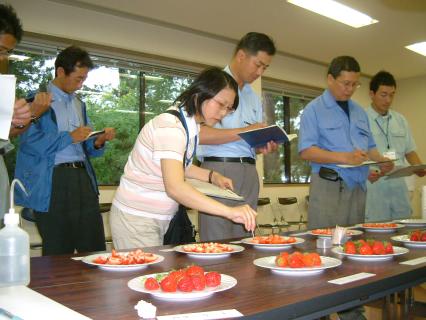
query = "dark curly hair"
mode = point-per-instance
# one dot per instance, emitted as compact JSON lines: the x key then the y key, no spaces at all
{"x":9,"y":22}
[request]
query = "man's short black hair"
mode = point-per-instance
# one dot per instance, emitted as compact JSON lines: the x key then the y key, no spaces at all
{"x":253,"y":42}
{"x":343,"y":63}
{"x":72,"y":57}
{"x":382,"y":78}
{"x":9,"y":22}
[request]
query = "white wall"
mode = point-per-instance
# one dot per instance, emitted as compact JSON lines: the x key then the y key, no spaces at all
{"x":410,"y":100}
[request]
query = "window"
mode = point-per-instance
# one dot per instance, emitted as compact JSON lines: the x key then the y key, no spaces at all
{"x":284,"y":110}
{"x":118,"y":93}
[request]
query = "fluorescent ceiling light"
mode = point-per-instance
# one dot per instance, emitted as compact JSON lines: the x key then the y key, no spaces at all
{"x":336,"y":11}
{"x":165,"y":101}
{"x":419,"y":47}
{"x":153,"y":78}
{"x":18,"y":57}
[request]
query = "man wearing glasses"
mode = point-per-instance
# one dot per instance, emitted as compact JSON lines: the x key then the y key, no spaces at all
{"x":23,"y":112}
{"x":334,"y":130}
{"x":223,"y":150}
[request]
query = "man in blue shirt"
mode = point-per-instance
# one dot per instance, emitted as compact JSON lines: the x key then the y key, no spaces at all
{"x":388,"y":199}
{"x":334,"y":131}
{"x":53,"y":164}
{"x":222,"y":149}
{"x":24,"y":113}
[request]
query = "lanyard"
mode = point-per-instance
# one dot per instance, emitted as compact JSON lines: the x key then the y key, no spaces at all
{"x":386,"y":134}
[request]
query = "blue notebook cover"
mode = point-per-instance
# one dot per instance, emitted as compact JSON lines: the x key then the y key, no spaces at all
{"x":260,"y":137}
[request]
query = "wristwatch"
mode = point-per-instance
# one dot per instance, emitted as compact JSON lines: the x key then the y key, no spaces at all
{"x":34,"y":118}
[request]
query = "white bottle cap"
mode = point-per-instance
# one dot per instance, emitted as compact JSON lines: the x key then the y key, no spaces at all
{"x":11,"y":218}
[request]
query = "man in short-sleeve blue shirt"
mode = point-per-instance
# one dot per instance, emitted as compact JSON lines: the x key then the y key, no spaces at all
{"x":388,"y":199}
{"x":334,"y":131}
{"x":222,"y":150}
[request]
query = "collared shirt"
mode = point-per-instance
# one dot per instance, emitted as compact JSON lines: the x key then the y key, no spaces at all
{"x":325,"y":125}
{"x":249,"y":111}
{"x":68,"y":118}
{"x":388,"y":199}
{"x":391,"y":130}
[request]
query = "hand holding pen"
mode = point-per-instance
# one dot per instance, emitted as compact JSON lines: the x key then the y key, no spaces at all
{"x":80,"y":134}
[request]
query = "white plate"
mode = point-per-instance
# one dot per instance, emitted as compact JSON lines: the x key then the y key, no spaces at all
{"x":128,"y":267}
{"x":210,"y":255}
{"x":272,"y":245}
{"x":413,"y":222}
{"x":382,"y":230}
{"x":371,"y":257}
{"x":137,"y":284}
{"x":269,"y":263}
{"x":405,"y":239}
{"x":349,"y":234}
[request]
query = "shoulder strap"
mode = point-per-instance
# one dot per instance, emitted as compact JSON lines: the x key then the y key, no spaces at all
{"x":179,"y":116}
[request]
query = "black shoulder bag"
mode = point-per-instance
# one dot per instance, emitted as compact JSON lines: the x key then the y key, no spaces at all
{"x":180,"y":230}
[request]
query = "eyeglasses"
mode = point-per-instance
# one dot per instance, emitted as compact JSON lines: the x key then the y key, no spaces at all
{"x":223,"y":107}
{"x":5,"y":51}
{"x":349,"y":84}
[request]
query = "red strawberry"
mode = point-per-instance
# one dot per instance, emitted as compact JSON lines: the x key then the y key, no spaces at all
{"x":281,"y":261}
{"x":296,"y":260}
{"x":365,"y":249}
{"x":168,"y":284}
{"x":185,"y":284}
{"x":378,"y":248}
{"x":177,"y":274}
{"x":199,"y":282}
{"x":423,"y":237}
{"x":194,"y":271}
{"x":308,"y":260}
{"x":212,"y":279}
{"x":151,"y":284}
{"x":388,"y":248}
{"x":415,"y":235}
{"x":350,"y":247}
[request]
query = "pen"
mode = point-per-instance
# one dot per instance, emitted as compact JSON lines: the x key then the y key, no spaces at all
{"x":248,"y":123}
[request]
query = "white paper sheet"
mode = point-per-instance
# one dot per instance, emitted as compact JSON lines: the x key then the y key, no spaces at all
{"x":208,"y":315}
{"x":7,"y":100}
{"x":352,"y":278}
{"x":36,"y":305}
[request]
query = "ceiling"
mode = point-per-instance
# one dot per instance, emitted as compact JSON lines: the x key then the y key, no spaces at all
{"x":296,"y":32}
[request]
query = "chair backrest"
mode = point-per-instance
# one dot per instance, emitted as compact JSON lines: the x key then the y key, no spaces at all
{"x":263,"y":201}
{"x":287,"y":201}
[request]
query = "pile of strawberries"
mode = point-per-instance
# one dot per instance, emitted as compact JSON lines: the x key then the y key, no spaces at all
{"x":368,"y":247}
{"x":380,"y":225}
{"x":273,"y":239}
{"x":418,"y":235}
{"x":189,"y":279}
{"x":298,"y":260}
{"x":126,"y":258}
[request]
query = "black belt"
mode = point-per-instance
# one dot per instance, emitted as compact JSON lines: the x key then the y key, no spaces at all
{"x":77,"y":164}
{"x":228,"y":159}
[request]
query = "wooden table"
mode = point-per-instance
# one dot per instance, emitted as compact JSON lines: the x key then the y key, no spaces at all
{"x":259,"y":294}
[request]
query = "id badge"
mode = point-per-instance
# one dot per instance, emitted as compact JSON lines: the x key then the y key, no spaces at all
{"x":391,"y":154}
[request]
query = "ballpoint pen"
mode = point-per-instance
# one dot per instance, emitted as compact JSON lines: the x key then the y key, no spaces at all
{"x":248,"y":123}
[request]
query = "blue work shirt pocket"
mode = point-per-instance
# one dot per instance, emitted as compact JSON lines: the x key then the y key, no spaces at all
{"x":333,"y":134}
{"x":398,"y":138}
{"x":362,"y":135}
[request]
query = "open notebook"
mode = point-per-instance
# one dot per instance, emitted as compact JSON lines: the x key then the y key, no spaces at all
{"x":260,"y":137}
{"x":214,"y":191}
